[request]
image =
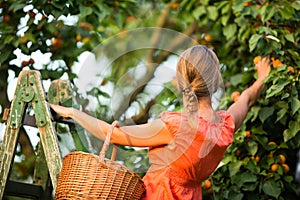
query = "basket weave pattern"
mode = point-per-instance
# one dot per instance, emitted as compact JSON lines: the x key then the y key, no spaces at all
{"x":88,"y":176}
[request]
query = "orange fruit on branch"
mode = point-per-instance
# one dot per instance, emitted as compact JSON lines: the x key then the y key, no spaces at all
{"x":235,"y":96}
{"x":276,"y":63}
{"x":282,"y":159}
{"x":257,"y":59}
{"x":207,"y":184}
{"x":286,"y":168}
{"x":274,"y":167}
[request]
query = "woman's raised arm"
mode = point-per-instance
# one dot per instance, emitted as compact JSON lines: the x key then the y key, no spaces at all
{"x":249,"y":96}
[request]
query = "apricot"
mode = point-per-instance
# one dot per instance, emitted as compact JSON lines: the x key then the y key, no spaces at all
{"x":291,"y":69}
{"x":208,"y":38}
{"x":57,"y":43}
{"x":235,"y":96}
{"x":31,"y":61}
{"x":257,"y":59}
{"x":282,"y":159}
{"x":174,"y":5}
{"x":276,"y":63}
{"x":274,"y":167}
{"x":286,"y":168}
{"x":207,"y":184}
{"x":24,"y":63}
{"x":78,"y":37}
{"x":248,"y":133}
{"x":6,"y":18}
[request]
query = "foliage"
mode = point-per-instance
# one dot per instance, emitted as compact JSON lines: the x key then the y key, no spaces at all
{"x":252,"y":167}
{"x":237,"y":30}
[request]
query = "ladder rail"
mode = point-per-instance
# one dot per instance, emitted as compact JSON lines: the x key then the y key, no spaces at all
{"x":29,"y":90}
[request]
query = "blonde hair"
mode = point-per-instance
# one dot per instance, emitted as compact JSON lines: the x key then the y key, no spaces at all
{"x":198,"y":75}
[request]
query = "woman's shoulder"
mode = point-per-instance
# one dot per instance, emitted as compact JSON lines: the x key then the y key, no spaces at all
{"x":169,"y":114}
{"x":227,"y":122}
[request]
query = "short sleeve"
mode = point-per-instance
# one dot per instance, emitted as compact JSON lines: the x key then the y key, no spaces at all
{"x":172,"y":121}
{"x":228,"y":128}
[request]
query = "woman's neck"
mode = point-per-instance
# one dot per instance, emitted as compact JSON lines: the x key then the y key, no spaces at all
{"x":206,"y":111}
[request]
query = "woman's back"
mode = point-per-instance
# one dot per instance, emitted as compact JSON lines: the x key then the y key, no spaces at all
{"x":192,"y":156}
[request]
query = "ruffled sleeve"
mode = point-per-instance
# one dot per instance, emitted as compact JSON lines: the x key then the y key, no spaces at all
{"x":172,"y":121}
{"x":228,"y":127}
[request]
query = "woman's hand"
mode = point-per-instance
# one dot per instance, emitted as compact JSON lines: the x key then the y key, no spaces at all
{"x":263,"y":68}
{"x":65,"y":112}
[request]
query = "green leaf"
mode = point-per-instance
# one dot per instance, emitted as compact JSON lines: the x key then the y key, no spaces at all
{"x":268,"y":14}
{"x":4,"y":56}
{"x":236,"y":79}
{"x":235,"y":196}
{"x":226,"y":8}
{"x":252,"y":167}
{"x":296,"y":5}
{"x":252,"y":147}
{"x":8,"y":39}
{"x":295,"y":105}
{"x":85,"y":11}
{"x":275,"y":90}
{"x":294,"y":128}
{"x":265,"y":112}
{"x":271,"y":188}
{"x":225,"y":19}
{"x":280,"y":114}
{"x":289,"y":37}
{"x":199,"y":11}
{"x":212,"y":12}
{"x":234,"y":167}
{"x":248,"y":177}
{"x":286,"y":12}
{"x":230,"y":31}
{"x":253,"y":41}
{"x":293,"y":53}
{"x":255,"y":110}
{"x":16,"y":6}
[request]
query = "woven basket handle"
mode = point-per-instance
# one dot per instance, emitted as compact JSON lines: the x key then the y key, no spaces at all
{"x":107,"y":142}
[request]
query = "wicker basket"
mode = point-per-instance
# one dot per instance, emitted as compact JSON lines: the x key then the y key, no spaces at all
{"x":88,"y":176}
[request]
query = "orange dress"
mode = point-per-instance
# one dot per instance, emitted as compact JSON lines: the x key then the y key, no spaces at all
{"x":178,"y":169}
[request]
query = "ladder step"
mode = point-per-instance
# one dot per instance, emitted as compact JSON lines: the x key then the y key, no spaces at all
{"x":25,"y":190}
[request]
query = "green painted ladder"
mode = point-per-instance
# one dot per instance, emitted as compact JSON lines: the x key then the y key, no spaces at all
{"x":48,"y":162}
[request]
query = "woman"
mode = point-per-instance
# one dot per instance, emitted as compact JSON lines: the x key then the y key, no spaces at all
{"x":185,"y":148}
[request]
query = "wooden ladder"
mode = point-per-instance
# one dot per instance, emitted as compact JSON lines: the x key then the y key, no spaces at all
{"x":29,"y":91}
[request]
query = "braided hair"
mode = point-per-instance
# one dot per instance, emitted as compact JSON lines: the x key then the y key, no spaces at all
{"x":198,"y":75}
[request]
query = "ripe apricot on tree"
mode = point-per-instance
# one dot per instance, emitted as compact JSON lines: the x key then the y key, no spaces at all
{"x":286,"y":168}
{"x":207,"y":184}
{"x":282,"y":159}
{"x":57,"y":43}
{"x":31,"y":61}
{"x":248,"y":133}
{"x":247,"y":4}
{"x":276,"y":63}
{"x":208,"y":38}
{"x":257,"y":59}
{"x":130,"y":19}
{"x":274,"y":167}
{"x":24,"y":63}
{"x":31,"y":14}
{"x":271,"y":143}
{"x":291,"y":69}
{"x":78,"y":37}
{"x":235,"y":96}
{"x":174,"y":5}
{"x":270,"y":155}
{"x":6,"y":18}
{"x":257,"y":158}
